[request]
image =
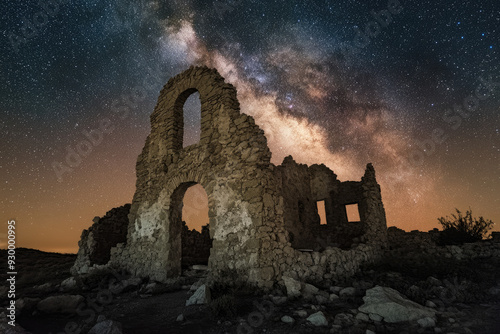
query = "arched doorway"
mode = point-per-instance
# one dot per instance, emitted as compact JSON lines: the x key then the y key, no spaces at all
{"x":189,"y":226}
{"x":195,"y":235}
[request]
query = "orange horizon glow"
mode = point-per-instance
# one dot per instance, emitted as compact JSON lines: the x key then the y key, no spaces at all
{"x":58,"y":228}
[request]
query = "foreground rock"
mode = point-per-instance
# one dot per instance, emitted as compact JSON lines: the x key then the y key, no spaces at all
{"x":309,"y":290}
{"x":68,"y":284}
{"x":66,"y":304}
{"x":292,"y":286}
{"x":392,"y":306}
{"x":200,"y":296}
{"x":426,"y":322}
{"x":317,"y":319}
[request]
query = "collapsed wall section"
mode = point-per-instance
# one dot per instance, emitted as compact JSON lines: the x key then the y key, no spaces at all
{"x":304,"y":186}
{"x":96,"y":242}
{"x":331,"y":265}
{"x":335,"y":250}
{"x":299,"y":203}
{"x":371,"y":209}
{"x":417,"y":245}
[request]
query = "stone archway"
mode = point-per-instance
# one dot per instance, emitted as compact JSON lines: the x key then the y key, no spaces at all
{"x":231,"y":162}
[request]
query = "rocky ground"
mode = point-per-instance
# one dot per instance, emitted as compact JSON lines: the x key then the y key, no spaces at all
{"x":404,"y":294}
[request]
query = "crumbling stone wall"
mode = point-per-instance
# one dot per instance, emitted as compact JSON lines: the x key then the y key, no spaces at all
{"x":96,"y":242}
{"x":400,"y":239}
{"x":231,"y":162}
{"x":417,"y":244}
{"x":260,"y":214}
{"x":304,"y":186}
{"x":330,"y":265}
{"x":299,"y":204}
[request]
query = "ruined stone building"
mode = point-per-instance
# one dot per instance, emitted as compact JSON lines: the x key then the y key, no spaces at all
{"x":263,"y":219}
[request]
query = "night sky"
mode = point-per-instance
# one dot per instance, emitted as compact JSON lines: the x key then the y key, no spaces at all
{"x":413,"y":87}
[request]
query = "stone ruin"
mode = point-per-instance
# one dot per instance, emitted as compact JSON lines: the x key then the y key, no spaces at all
{"x":263,"y":219}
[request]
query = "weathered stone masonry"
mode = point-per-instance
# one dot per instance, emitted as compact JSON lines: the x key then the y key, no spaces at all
{"x":96,"y":242}
{"x":260,"y":214}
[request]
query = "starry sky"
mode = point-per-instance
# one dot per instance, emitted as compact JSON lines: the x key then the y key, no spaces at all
{"x":413,"y":87}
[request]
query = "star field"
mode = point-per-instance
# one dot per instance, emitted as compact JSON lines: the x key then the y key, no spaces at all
{"x":411,"y":87}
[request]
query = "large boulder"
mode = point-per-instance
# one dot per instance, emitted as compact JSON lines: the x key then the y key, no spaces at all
{"x":393,"y":306}
{"x":200,"y":296}
{"x":292,"y":286}
{"x":60,"y":304}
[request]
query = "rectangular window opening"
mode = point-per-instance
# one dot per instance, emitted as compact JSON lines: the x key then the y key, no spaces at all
{"x":352,"y":213}
{"x":321,"y":211}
